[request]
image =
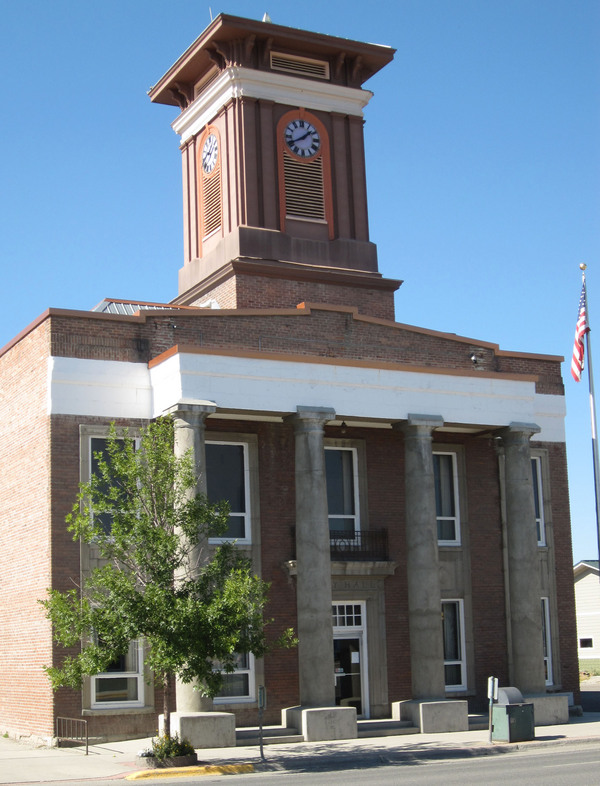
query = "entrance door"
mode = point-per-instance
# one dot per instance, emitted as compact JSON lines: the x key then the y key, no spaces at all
{"x":348,"y":681}
{"x":350,"y":656}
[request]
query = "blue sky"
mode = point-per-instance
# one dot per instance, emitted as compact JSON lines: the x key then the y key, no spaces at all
{"x":483,"y":163}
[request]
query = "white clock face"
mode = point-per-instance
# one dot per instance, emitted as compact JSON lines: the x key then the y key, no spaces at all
{"x":302,"y":138}
{"x":210,"y":153}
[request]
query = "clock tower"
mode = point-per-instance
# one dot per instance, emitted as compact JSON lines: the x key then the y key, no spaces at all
{"x":274,"y":185}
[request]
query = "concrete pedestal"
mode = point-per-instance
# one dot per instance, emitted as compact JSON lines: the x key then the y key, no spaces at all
{"x":550,"y":710}
{"x":203,"y":729}
{"x":433,"y":717}
{"x":322,"y":723}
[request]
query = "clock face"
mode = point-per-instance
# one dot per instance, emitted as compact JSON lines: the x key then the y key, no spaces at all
{"x":210,"y":153}
{"x":302,"y":138}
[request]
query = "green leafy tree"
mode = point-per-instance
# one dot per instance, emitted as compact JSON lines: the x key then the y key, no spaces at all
{"x":194,"y":606}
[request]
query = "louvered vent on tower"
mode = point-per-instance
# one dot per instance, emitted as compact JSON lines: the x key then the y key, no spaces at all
{"x":304,"y":197}
{"x":301,"y":66}
{"x":211,"y":212}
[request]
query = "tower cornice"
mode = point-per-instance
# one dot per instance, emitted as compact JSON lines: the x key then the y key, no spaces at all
{"x":237,"y":82}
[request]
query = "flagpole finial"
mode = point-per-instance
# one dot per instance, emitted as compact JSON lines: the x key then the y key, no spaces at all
{"x":583,"y":266}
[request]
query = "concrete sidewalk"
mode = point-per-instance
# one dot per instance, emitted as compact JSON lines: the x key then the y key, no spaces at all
{"x":20,"y":763}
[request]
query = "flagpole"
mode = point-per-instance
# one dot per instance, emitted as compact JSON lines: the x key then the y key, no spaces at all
{"x":590,"y":367}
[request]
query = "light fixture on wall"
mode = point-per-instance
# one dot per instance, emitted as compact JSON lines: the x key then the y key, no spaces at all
{"x":343,"y":427}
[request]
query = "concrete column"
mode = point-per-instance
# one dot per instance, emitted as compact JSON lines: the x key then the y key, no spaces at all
{"x":423,"y":573}
{"x":524,"y":583}
{"x":315,"y":630}
{"x":189,"y":422}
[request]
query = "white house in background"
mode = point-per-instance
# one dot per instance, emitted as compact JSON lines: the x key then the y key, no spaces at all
{"x":587,"y":610}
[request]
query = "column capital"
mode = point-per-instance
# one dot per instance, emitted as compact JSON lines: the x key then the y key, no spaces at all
{"x":191,"y":410}
{"x":415,"y":424}
{"x":518,"y":432}
{"x":311,"y":417}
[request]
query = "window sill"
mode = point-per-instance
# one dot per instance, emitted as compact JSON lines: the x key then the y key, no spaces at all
{"x":119,"y":711}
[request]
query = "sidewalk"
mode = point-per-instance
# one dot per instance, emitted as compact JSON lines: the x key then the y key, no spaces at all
{"x":20,"y":763}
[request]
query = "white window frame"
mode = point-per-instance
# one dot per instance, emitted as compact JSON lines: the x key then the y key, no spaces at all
{"x":356,"y":480}
{"x":137,"y":675}
{"x":538,"y":483}
{"x":251,"y":697}
{"x":547,"y":640}
{"x":462,"y":661}
{"x":456,"y":518}
{"x":247,"y":514}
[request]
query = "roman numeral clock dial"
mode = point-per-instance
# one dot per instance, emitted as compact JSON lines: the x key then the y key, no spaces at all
{"x":302,"y":138}
{"x":210,"y":153}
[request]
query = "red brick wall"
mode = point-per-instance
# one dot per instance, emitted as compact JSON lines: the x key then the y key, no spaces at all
{"x":25,"y":544}
{"x":563,"y":559}
{"x":487,"y":570}
{"x":265,"y":292}
{"x":317,"y":331}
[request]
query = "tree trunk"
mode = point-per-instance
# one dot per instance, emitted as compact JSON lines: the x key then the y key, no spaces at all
{"x":166,"y":705}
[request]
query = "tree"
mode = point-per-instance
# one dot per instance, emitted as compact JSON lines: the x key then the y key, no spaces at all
{"x":141,"y":514}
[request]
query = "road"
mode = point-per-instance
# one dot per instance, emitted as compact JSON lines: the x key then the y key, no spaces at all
{"x":557,"y":766}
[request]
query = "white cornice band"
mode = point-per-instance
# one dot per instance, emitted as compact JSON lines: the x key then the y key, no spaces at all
{"x":114,"y":389}
{"x":237,"y":82}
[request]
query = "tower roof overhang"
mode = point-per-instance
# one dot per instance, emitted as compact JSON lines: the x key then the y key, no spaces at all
{"x":239,"y":36}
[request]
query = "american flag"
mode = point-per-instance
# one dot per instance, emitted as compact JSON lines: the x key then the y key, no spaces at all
{"x":580,"y":330}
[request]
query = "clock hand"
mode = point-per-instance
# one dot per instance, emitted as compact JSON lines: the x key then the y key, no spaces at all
{"x":300,"y":138}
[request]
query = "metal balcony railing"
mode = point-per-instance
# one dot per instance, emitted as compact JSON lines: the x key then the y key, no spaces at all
{"x":362,"y":546}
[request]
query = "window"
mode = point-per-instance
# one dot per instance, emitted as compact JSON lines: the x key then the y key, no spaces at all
{"x":98,"y":453}
{"x":547,"y":641}
{"x":538,"y":499}
{"x":454,"y":645}
{"x":347,"y":615}
{"x":586,"y":644}
{"x":342,"y":491}
{"x":227,"y":478}
{"x":446,"y":498}
{"x":238,"y":685}
{"x":122,"y":684}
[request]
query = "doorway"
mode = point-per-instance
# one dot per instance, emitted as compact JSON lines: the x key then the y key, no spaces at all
{"x":349,"y":655}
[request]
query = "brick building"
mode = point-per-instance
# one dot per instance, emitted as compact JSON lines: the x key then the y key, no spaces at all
{"x":403,"y":490}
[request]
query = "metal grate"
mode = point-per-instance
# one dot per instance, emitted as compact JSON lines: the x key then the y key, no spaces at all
{"x":304,"y":195}
{"x":303,"y":66}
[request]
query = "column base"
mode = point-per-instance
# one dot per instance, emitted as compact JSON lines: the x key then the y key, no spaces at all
{"x":203,"y":729}
{"x":433,"y":717}
{"x":322,"y":723}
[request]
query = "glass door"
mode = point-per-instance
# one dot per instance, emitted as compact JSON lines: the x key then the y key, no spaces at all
{"x":347,"y":654}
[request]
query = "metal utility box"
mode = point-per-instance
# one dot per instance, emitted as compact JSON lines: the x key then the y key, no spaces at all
{"x":512,"y":718}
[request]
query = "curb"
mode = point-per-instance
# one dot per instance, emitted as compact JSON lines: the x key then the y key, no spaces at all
{"x":173,"y":772}
{"x":298,"y":763}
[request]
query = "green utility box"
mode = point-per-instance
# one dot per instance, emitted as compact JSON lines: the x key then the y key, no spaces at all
{"x":512,"y":722}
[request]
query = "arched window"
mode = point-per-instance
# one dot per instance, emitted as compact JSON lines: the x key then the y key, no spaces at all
{"x":304,"y":170}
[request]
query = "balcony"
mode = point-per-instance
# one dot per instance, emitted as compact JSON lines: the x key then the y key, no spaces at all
{"x":369,"y":545}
